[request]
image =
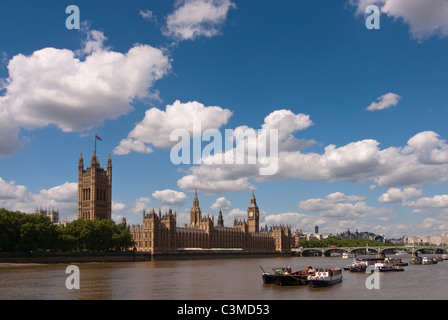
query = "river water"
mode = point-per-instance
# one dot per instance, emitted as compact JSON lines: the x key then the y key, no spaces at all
{"x":227,"y":279}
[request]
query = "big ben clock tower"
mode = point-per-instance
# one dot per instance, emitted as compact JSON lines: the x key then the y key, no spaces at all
{"x":253,"y":215}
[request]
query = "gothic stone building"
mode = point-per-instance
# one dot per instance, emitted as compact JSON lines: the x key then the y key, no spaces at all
{"x":160,"y":234}
{"x":94,"y":190}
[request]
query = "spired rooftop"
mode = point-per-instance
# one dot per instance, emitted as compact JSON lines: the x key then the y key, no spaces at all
{"x":160,"y":233}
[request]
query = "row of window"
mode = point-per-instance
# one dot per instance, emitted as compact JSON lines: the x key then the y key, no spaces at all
{"x":100,"y":194}
{"x":202,"y":240}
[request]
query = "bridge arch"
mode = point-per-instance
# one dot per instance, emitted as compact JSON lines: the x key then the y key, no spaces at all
{"x":326,"y":251}
{"x":311,"y":252}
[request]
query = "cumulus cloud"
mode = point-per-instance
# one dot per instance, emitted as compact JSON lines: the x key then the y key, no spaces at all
{"x":118,"y":207}
{"x":399,"y":195}
{"x":384,"y":102}
{"x":435,"y":225}
{"x":295,"y":220}
{"x":140,"y":204}
{"x":170,"y":197}
{"x":338,"y":205}
{"x":287,"y":123}
{"x":221,"y":204}
{"x":364,"y":160}
{"x":9,"y":133}
{"x":425,"y":18}
{"x":437,"y":201}
{"x":17,"y":198}
{"x":156,"y":127}
{"x":76,"y":91}
{"x":215,"y":175}
{"x":429,"y":148}
{"x":9,"y":190}
{"x":195,"y":18}
{"x":423,"y":159}
{"x":148,"y":15}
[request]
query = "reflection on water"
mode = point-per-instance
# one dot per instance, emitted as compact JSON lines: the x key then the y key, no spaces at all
{"x":233,"y":279}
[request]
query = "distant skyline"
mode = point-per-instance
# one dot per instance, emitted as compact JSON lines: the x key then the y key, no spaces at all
{"x":361,"y":113}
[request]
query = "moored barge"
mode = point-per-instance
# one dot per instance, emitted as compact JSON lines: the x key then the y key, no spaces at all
{"x":325,"y":277}
{"x":285,"y":276}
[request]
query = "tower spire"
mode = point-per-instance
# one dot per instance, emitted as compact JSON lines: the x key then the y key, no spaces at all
{"x":196,"y":200}
{"x":253,"y":215}
{"x":195,"y":213}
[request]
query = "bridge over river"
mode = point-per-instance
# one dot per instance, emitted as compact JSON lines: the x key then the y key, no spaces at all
{"x":327,"y":251}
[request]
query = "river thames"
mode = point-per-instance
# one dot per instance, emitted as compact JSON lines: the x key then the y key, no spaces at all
{"x":227,"y":279}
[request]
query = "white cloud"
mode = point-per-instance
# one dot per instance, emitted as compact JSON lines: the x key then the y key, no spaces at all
{"x":338,"y":205}
{"x":128,"y":145}
{"x":156,"y":127}
{"x":354,"y":162}
{"x":414,"y":164}
{"x":76,"y":91}
{"x":287,"y":123}
{"x":422,"y":160}
{"x":147,"y":15}
{"x":214,"y":178}
{"x":398,"y":195}
{"x":64,"y":193}
{"x":195,"y":18}
{"x":295,"y":220}
{"x":94,"y":42}
{"x":118,"y":207}
{"x":198,"y":179}
{"x":221,"y":204}
{"x":384,"y":102}
{"x":437,"y":201}
{"x":170,"y":197}
{"x":9,"y":133}
{"x":428,"y":148}
{"x":435,"y":225}
{"x":11,"y":191}
{"x":140,"y":205}
{"x":234,"y":214}
{"x":425,"y":18}
{"x":18,"y":198}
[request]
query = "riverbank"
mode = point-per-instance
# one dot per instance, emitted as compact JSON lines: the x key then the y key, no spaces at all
{"x":128,"y":256}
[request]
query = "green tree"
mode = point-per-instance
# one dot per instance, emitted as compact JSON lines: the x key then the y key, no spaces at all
{"x":32,"y":232}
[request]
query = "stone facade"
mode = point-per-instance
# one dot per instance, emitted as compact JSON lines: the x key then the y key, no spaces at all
{"x":94,"y":190}
{"x":421,"y":240}
{"x":52,"y":214}
{"x":160,"y":234}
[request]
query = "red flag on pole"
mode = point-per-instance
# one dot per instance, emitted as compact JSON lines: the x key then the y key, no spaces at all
{"x":98,"y":138}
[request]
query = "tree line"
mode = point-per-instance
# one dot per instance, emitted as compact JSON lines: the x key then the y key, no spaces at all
{"x":340,"y":242}
{"x":21,"y":232}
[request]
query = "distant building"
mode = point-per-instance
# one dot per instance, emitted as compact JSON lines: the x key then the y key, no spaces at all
{"x":311,"y":235}
{"x":421,"y":240}
{"x":160,"y":234}
{"x":50,"y":213}
{"x":94,"y":190}
{"x":363,"y":235}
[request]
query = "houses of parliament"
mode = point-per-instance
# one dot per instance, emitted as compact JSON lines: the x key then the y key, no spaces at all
{"x":159,"y":232}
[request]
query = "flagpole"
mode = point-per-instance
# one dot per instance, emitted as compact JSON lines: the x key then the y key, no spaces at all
{"x":95,"y":144}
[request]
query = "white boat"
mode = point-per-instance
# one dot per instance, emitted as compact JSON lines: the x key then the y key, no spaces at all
{"x":427,"y":260}
{"x":384,"y":267}
{"x":347,"y":255}
{"x":325,"y":277}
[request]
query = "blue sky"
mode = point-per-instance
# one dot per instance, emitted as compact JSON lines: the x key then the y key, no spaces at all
{"x":231,"y":64}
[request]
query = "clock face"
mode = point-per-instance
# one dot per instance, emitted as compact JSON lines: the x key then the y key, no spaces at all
{"x":251,"y":214}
